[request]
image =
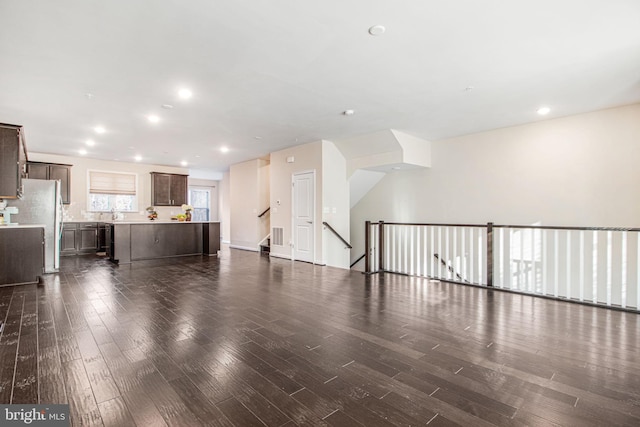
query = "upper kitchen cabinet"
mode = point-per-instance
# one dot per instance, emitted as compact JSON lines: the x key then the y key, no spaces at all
{"x":40,"y":170}
{"x":168,"y":189}
{"x":13,"y":156}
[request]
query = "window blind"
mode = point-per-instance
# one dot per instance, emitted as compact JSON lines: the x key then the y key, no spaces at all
{"x":112,"y":183}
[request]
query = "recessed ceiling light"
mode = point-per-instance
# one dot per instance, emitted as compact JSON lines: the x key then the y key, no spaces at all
{"x":167,"y":106}
{"x":197,"y":156}
{"x":257,"y":137}
{"x":153,"y":118}
{"x":99,"y":129}
{"x":82,"y":151}
{"x":377,"y":30}
{"x":137,"y":158}
{"x":224,"y":149}
{"x":183,"y":163}
{"x":185,"y":93}
{"x":88,"y":95}
{"x":348,"y":112}
{"x":90,"y":142}
{"x":396,"y":168}
{"x":543,"y":111}
{"x":468,"y":88}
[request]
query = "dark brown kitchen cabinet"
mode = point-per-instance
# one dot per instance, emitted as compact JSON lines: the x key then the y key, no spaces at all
{"x":79,"y":238}
{"x":53,"y":171}
{"x":68,"y":241}
{"x":21,"y":255}
{"x":13,"y":156}
{"x":168,"y":189}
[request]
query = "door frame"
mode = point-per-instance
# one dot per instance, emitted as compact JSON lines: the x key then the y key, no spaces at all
{"x":293,"y":214}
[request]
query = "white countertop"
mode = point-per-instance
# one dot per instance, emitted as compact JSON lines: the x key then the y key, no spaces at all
{"x":142,"y":221}
{"x":159,"y":222}
{"x":12,"y":226}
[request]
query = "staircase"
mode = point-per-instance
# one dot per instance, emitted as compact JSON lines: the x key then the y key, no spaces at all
{"x":265,"y":247}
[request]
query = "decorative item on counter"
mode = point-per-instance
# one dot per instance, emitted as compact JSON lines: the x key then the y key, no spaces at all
{"x":152,"y":214}
{"x":187,"y":212}
{"x":181,"y":217}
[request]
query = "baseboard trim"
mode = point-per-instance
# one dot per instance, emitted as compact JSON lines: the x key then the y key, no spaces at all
{"x":280,"y":256}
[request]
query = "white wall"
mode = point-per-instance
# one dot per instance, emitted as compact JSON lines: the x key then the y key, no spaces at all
{"x":225,"y":208}
{"x":335,"y":205}
{"x":264,"y":183}
{"x":307,"y":157}
{"x":244,"y":197}
{"x":580,"y":170}
{"x":79,"y":191}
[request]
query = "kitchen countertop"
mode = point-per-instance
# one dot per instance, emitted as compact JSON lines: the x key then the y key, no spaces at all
{"x":143,"y":221}
{"x":160,"y":222}
{"x":13,"y":226}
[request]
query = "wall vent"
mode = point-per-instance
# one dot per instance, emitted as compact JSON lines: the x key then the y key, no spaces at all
{"x":277,"y":236}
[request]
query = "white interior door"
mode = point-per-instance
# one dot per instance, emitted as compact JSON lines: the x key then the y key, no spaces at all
{"x":303,"y":216}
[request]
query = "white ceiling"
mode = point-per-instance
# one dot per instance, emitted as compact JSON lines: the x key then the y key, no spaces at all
{"x":285,"y":70}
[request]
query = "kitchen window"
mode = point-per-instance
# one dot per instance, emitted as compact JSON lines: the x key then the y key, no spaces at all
{"x":112,"y":191}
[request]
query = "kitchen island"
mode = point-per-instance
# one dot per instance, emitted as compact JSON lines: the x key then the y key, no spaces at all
{"x":21,"y":254}
{"x":134,"y":241}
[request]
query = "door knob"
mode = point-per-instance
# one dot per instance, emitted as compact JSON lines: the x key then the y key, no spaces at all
{"x":309,"y":222}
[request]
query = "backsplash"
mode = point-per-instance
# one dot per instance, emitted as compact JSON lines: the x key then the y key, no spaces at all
{"x":74,"y":212}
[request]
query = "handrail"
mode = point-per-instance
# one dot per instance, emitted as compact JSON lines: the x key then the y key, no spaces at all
{"x":357,"y":261}
{"x":326,"y":224}
{"x":429,"y":224}
{"x":264,"y":212}
{"x":450,"y":268}
{"x":537,"y":227}
{"x":551,"y":227}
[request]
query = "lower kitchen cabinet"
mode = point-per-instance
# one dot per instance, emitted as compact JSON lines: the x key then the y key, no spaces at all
{"x":129,"y":242}
{"x":21,"y":255}
{"x":68,"y":243}
{"x":79,"y":238}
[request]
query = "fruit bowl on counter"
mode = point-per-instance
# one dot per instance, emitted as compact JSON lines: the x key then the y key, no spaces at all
{"x":152,"y":214}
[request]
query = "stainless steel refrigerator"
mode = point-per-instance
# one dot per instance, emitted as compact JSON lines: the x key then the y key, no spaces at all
{"x":42,"y":204}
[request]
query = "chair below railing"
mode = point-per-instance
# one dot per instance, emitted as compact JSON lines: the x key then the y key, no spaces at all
{"x":595,"y":265}
{"x":450,"y":268}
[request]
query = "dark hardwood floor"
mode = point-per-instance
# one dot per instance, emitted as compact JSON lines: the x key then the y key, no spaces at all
{"x":248,"y":341}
